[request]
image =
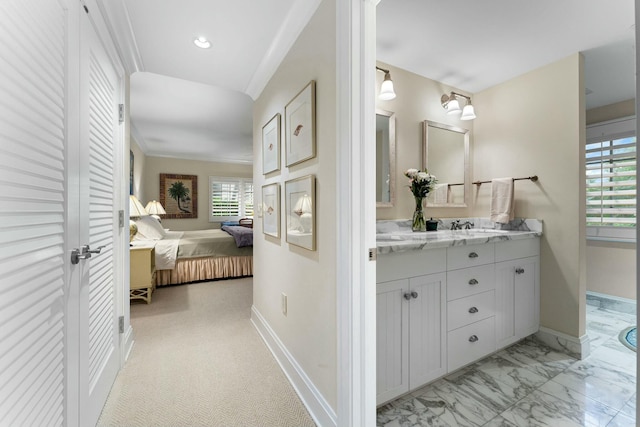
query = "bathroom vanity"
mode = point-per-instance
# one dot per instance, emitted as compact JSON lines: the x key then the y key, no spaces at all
{"x":448,"y":298}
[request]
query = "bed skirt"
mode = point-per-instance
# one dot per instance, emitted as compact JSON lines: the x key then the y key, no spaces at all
{"x":206,"y":268}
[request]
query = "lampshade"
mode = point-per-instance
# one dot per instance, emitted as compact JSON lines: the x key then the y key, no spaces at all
{"x":135,"y":207}
{"x":468,"y":113}
{"x":386,"y":90}
{"x":454,"y":106}
{"x":154,"y":208}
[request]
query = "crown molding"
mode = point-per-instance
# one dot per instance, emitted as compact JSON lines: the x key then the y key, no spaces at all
{"x":296,"y":20}
{"x":116,"y":15}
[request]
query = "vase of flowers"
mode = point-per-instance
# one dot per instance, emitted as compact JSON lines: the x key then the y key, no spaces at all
{"x":421,"y":183}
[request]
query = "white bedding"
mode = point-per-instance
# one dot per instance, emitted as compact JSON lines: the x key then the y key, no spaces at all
{"x":166,"y":249}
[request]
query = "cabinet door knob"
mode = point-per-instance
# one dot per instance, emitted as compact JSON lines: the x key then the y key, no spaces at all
{"x":519,"y":270}
{"x":473,"y":255}
{"x":473,"y":310}
{"x":473,"y":338}
{"x":473,"y":282}
{"x":414,"y":294}
{"x":407,"y":296}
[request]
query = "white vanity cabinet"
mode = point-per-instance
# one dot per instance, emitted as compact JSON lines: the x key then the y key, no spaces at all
{"x":517,"y":290}
{"x":411,"y":322}
{"x":443,"y":308}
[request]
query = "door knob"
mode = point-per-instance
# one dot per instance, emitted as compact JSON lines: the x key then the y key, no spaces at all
{"x":519,"y":270}
{"x":76,"y":256}
{"x":473,"y":338}
{"x":407,"y":296}
{"x":473,"y":310}
{"x":414,"y":294}
{"x":473,"y":255}
{"x":473,"y":282}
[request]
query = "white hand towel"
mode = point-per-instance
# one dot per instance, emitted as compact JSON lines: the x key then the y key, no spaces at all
{"x":441,"y":194}
{"x":502,"y":200}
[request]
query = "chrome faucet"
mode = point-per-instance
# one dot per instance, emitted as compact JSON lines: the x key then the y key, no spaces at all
{"x":455,"y":225}
{"x":467,"y":225}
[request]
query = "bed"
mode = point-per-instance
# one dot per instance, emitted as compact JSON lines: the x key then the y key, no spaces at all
{"x":191,"y":256}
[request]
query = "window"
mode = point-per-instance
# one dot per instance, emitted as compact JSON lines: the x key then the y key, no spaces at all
{"x":611,"y":180}
{"x":231,"y":198}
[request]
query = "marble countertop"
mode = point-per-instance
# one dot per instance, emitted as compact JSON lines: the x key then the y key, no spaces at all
{"x":396,"y":236}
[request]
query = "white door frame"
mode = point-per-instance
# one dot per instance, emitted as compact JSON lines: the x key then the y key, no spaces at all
{"x":356,"y":292}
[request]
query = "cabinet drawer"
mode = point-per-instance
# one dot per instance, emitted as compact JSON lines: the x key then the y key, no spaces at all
{"x":470,"y":281}
{"x":465,"y":311}
{"x":514,"y":249}
{"x":401,"y":265}
{"x":470,"y":343}
{"x":469,"y":256}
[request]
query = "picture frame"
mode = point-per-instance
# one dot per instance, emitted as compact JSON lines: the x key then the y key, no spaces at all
{"x":300,"y":208}
{"x":271,"y":210}
{"x":179,"y":195}
{"x":300,"y":126}
{"x":271,"y":145}
{"x":131,"y":163}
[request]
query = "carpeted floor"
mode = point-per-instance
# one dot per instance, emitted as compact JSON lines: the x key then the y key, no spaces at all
{"x":198,"y":361}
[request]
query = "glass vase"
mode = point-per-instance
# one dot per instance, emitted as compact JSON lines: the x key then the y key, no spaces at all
{"x":419,"y":223}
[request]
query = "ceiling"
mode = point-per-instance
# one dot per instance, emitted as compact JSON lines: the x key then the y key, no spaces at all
{"x":196,"y":103}
{"x":192,"y":103}
{"x":473,"y":45}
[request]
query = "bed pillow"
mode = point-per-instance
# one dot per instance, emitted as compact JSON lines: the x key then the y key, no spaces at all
{"x":149,"y":229}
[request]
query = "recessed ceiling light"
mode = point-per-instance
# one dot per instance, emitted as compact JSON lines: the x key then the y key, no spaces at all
{"x":202,"y":43}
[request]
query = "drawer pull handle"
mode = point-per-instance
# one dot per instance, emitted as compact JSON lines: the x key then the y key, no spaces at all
{"x":519,"y":270}
{"x":473,"y":255}
{"x":473,"y":338}
{"x":473,"y":310}
{"x":473,"y":282}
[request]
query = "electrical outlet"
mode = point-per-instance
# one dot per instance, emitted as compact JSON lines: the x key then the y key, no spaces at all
{"x":284,"y":303}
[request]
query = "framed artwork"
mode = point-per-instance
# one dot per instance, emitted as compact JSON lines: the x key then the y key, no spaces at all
{"x":131,"y":172}
{"x":271,"y":210}
{"x":300,"y":207}
{"x":271,"y":145}
{"x":300,"y":125}
{"x":179,"y":195}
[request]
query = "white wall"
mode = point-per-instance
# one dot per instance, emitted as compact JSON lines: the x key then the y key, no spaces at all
{"x":150,"y":184}
{"x":307,"y":277}
{"x":534,"y":125}
{"x":418,"y":99}
{"x":139,"y":161}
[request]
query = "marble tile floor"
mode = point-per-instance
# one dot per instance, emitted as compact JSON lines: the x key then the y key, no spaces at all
{"x":529,"y":384}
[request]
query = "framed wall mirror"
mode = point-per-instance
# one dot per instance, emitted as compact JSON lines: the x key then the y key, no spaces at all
{"x":445,"y":151}
{"x":385,"y":158}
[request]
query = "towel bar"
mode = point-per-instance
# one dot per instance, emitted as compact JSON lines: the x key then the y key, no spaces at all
{"x":533,"y":178}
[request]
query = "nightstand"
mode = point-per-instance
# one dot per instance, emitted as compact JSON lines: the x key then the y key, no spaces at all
{"x":142,"y":272}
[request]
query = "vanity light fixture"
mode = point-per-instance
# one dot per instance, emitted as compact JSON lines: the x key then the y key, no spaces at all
{"x":202,"y":42}
{"x":451,"y":104}
{"x":386,"y":90}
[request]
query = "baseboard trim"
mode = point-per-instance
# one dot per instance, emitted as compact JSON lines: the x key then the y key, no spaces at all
{"x":611,"y":302}
{"x":318,"y":407}
{"x":127,"y":344}
{"x":573,"y":346}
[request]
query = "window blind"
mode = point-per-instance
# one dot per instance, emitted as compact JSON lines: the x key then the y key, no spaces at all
{"x":610,"y":157}
{"x":231,"y":198}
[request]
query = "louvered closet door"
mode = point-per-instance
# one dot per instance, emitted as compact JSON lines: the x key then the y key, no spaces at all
{"x":32,"y":212}
{"x":99,"y":136}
